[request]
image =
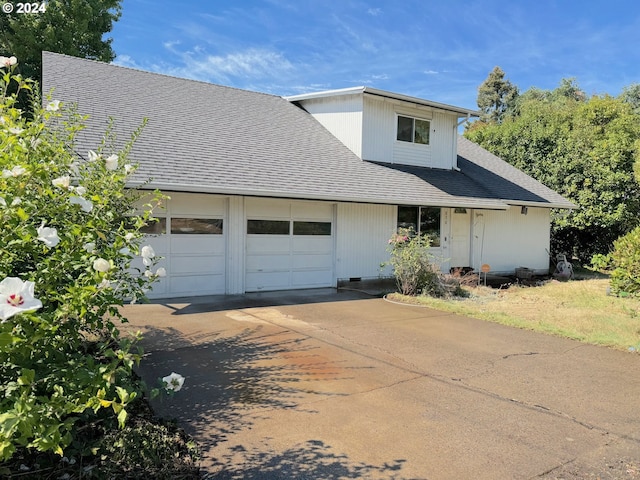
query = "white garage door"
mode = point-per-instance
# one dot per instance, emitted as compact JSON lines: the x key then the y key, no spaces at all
{"x":191,"y":238}
{"x":289,"y":245}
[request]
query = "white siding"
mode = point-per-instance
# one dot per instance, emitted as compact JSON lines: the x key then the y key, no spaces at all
{"x":342,"y":116}
{"x":362,"y":234}
{"x":379,"y":135}
{"x":508,"y":239}
{"x":443,"y":141}
{"x":235,"y":233}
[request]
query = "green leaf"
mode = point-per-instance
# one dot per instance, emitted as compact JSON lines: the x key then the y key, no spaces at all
{"x":122,"y":418}
{"x":7,"y":339}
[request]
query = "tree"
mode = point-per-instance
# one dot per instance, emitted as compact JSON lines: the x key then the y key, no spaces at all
{"x":631,"y":95}
{"x":71,"y":27}
{"x":496,"y":97}
{"x":585,"y":149}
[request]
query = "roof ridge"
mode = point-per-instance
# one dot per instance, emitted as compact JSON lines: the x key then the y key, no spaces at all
{"x":147,"y":72}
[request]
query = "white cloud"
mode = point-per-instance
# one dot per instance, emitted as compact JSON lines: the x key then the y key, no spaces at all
{"x":253,"y":63}
{"x":374,"y":12}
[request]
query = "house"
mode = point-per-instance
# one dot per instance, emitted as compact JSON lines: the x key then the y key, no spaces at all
{"x":271,"y":193}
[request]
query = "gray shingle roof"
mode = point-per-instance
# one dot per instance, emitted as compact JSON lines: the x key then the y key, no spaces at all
{"x":209,"y":138}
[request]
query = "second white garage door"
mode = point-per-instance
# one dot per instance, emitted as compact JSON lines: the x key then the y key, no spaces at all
{"x":290,"y":244}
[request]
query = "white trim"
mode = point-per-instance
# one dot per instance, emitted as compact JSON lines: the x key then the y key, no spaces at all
{"x":462,"y":112}
{"x":485,"y":204}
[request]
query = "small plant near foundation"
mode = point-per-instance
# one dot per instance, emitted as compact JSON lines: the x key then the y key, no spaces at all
{"x":416,"y":269}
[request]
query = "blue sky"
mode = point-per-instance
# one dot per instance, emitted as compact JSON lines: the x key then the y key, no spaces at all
{"x":438,"y":50}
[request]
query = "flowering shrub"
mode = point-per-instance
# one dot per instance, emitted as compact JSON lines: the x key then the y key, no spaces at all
{"x":68,"y":233}
{"x":413,"y":264}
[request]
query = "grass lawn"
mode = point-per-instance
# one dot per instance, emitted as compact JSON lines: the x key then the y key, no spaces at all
{"x":577,"y":309}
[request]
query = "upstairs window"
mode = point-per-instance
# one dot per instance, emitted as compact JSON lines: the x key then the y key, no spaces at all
{"x":413,"y":130}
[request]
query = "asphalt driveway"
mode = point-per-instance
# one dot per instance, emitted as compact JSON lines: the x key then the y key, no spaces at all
{"x":326,"y":385}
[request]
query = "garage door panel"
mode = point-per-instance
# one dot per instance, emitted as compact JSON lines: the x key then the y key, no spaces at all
{"x":196,"y":284}
{"x":312,"y":244}
{"x":267,"y":281}
{"x":312,"y":278}
{"x":267,"y":244}
{"x":197,"y":264}
{"x":315,"y":261}
{"x":268,"y":262}
{"x":196,"y":244}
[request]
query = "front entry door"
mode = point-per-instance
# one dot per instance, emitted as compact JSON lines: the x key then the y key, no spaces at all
{"x":460,"y":237}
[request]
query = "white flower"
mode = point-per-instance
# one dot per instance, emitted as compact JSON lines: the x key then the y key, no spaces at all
{"x":16,"y":201}
{"x":173,"y":382}
{"x":62,"y":182}
{"x":148,"y":273}
{"x":85,"y":204}
{"x":101,"y":265}
{"x":14,"y":172}
{"x":3,"y":202}
{"x":16,"y":130}
{"x":8,"y":61}
{"x":48,"y":235}
{"x":16,"y":297}
{"x":111,"y":162}
{"x":90,"y":247}
{"x":80,"y":190}
{"x":93,"y":156}
{"x":147,"y":254}
{"x":53,"y":106}
{"x":124,"y":251}
{"x":104,"y":284}
{"x":128,"y":168}
{"x":161,"y":272}
{"x":129,"y":236}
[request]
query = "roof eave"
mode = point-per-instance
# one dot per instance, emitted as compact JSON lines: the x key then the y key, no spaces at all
{"x":462,"y":112}
{"x":561,"y":205}
{"x":478,"y":203}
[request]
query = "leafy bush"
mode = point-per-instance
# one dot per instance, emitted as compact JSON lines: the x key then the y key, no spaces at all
{"x":68,"y":233}
{"x":625,"y":258}
{"x":413,"y":264}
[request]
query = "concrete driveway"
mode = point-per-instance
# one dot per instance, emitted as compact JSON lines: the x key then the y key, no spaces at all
{"x":326,"y":385}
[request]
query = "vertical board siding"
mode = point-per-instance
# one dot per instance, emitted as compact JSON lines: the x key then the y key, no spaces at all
{"x":342,"y":116}
{"x":443,"y":141}
{"x":379,"y":135}
{"x":363,"y":231}
{"x":235,"y":233}
{"x":379,"y":130}
{"x":511,"y":240}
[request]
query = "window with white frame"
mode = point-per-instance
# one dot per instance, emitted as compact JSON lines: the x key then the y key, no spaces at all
{"x":413,"y":130}
{"x":422,"y":220}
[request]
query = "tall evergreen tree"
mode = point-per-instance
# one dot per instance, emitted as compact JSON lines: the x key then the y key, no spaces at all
{"x":496,"y":96}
